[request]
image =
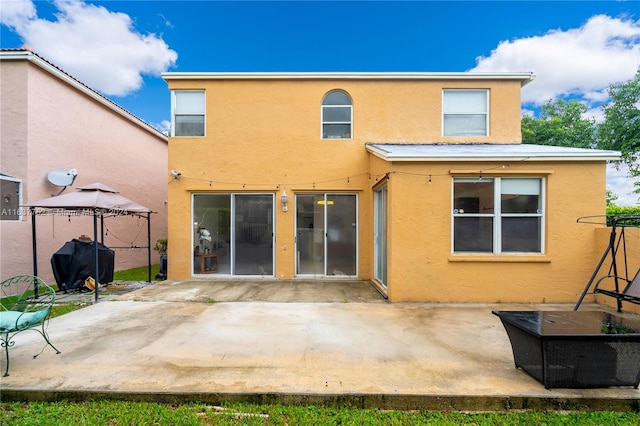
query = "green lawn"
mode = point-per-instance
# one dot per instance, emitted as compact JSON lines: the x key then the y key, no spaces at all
{"x":137,"y":274}
{"x":141,"y":413}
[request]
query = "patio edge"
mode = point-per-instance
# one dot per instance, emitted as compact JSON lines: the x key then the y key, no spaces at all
{"x":363,"y":401}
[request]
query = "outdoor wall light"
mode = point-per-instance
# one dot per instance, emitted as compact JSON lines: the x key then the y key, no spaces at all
{"x":176,"y":175}
{"x":284,"y":199}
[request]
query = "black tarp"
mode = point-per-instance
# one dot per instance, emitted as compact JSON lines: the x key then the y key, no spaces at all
{"x":74,"y":262}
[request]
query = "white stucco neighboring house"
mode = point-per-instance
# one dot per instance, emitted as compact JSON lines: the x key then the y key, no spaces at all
{"x":49,"y":120}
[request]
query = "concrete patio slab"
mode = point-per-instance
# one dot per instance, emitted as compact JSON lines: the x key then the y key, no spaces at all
{"x":216,"y":341}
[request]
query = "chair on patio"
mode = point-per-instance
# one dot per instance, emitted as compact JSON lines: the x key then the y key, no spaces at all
{"x":630,"y":293}
{"x":25,"y":304}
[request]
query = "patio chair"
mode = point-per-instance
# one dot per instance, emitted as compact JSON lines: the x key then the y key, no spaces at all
{"x":25,"y":304}
{"x":630,"y":293}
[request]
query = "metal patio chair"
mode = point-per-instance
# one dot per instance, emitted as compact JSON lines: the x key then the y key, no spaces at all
{"x":25,"y":304}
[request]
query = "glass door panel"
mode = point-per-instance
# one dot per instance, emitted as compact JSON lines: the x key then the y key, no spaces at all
{"x":342,"y":232}
{"x":253,"y":235}
{"x":212,"y":232}
{"x":380,"y":235}
{"x":310,"y":234}
{"x":326,"y":234}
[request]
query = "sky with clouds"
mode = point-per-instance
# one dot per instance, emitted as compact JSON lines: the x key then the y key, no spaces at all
{"x":120,"y":48}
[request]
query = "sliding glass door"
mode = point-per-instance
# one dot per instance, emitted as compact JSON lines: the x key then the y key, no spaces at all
{"x":326,"y":234}
{"x":380,"y":235}
{"x":233,"y":234}
{"x":253,"y":235}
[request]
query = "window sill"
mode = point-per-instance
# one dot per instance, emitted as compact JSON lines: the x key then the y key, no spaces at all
{"x":500,"y":258}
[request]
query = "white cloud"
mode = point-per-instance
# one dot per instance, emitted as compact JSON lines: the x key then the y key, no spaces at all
{"x":17,"y":13}
{"x":619,"y":182}
{"x":578,"y":62}
{"x":164,"y":126}
{"x":99,"y":47}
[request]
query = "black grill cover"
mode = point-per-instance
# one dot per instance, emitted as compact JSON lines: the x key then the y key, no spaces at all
{"x":74,"y":262}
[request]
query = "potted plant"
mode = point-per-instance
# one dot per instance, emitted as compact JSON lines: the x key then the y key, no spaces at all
{"x":161,"y":248}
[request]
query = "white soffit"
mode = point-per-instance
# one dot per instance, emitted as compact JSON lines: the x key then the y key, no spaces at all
{"x":487,"y":152}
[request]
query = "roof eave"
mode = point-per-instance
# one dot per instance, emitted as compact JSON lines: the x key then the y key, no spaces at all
{"x":497,"y":158}
{"x":595,"y":156}
{"x":524,"y":77}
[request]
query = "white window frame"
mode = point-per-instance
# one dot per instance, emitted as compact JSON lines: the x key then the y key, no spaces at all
{"x":497,"y":215}
{"x":15,"y":210}
{"x":173,"y":113}
{"x":463,"y":112}
{"x":323,"y":122}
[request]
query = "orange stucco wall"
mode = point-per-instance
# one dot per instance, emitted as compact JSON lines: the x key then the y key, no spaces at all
{"x":421,"y":258}
{"x":263,"y":136}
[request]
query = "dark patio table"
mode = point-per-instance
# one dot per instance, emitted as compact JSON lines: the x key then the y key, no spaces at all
{"x":575,"y":349}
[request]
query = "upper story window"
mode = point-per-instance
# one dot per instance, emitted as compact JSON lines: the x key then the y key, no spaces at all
{"x":187,"y":112}
{"x":465,"y":112}
{"x":10,"y":189}
{"x":337,"y":115}
{"x":498,"y":215}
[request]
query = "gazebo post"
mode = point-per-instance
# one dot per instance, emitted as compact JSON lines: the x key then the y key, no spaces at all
{"x":95,"y":252}
{"x":102,"y":229}
{"x":149,"y":244}
{"x":33,"y":241}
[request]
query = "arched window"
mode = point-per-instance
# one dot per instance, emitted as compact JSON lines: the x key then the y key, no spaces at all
{"x":337,"y":115}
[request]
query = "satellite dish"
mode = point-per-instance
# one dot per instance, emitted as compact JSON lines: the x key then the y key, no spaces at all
{"x":62,"y":177}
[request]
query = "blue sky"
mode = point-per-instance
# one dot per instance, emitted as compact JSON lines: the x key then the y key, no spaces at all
{"x":119,"y":48}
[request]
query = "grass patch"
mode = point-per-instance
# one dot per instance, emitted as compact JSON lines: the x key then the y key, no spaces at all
{"x":65,"y":308}
{"x":137,"y":274}
{"x":9,"y":301}
{"x":146,"y":413}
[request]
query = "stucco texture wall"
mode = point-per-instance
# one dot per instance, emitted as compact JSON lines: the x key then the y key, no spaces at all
{"x":264,"y":136}
{"x":48,"y":124}
{"x":422,"y":266}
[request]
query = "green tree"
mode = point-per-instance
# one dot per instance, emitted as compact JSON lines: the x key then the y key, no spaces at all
{"x":621,"y":127}
{"x":561,"y":123}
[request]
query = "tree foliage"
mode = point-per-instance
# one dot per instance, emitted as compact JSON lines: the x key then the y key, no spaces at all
{"x":621,"y":127}
{"x":562,"y":123}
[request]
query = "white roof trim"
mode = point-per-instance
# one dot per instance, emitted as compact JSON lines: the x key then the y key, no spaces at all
{"x":487,"y":152}
{"x":26,"y":55}
{"x":524,"y":77}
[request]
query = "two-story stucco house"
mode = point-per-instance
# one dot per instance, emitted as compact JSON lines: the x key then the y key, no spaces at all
{"x":51,"y":121}
{"x":415,"y":181}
